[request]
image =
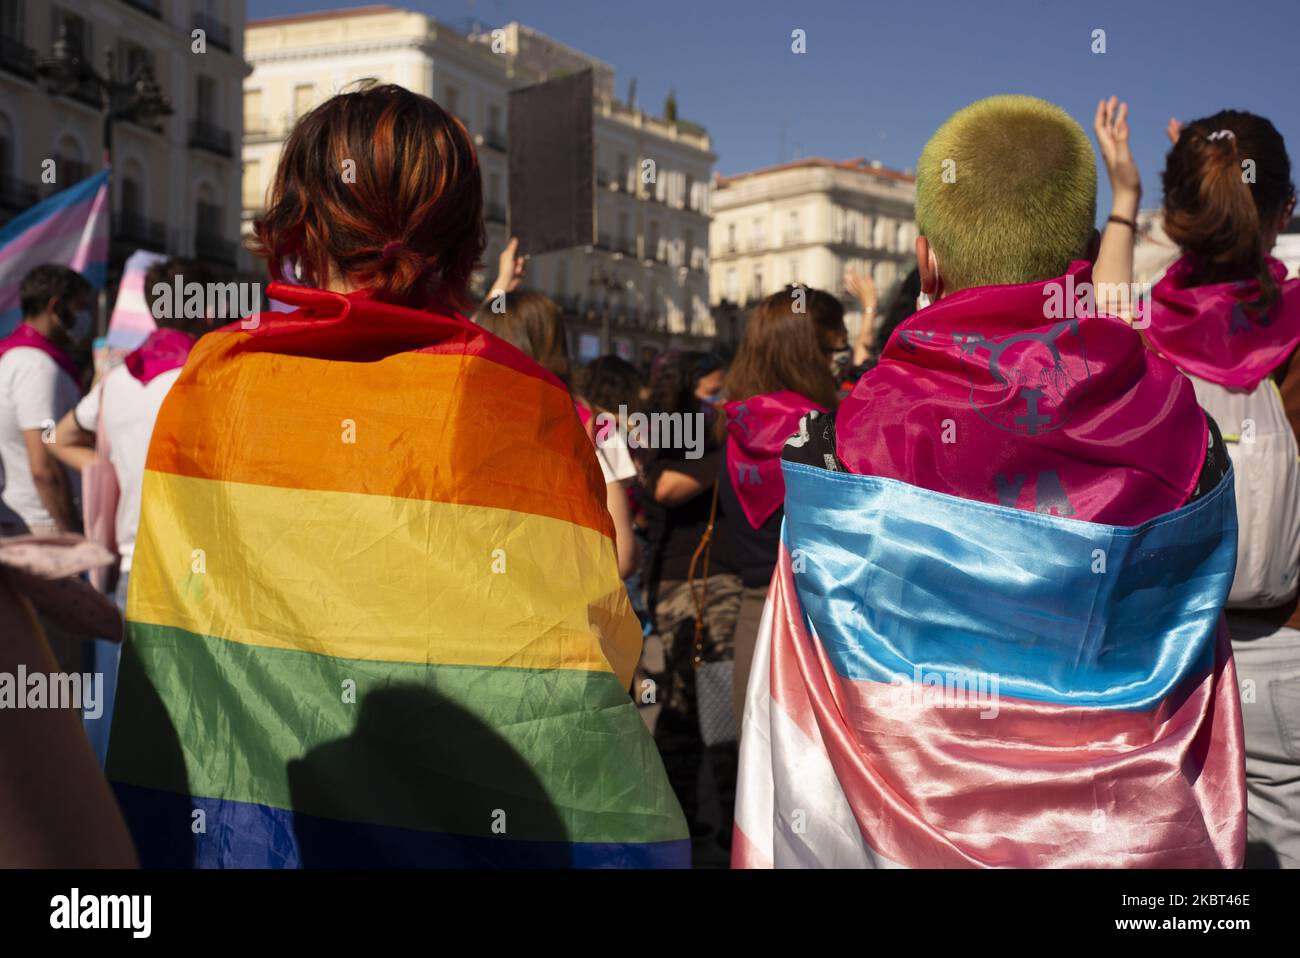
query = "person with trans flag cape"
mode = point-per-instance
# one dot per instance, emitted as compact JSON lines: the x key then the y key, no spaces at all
{"x":1227,"y":316}
{"x":994,"y":636}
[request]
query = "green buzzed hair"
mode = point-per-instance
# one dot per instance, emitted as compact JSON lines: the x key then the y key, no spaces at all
{"x":1006,"y":192}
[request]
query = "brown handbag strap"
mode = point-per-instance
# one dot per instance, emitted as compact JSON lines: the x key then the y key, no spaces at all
{"x":701,"y":597}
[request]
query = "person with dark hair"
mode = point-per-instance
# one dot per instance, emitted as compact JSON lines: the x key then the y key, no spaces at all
{"x":105,"y":438}
{"x":692,"y":606}
{"x":1225,"y":315}
{"x":783,"y":369}
{"x":372,"y":493}
{"x":533,"y":324}
{"x":39,"y":382}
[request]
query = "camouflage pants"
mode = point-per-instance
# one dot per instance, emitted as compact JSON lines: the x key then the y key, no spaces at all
{"x":677,"y":730}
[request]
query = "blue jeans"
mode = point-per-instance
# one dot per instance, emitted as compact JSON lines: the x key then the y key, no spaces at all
{"x":104,"y":658}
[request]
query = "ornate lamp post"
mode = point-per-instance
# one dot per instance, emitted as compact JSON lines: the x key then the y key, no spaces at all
{"x":136,"y":98}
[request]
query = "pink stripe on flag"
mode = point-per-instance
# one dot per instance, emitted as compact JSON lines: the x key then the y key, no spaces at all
{"x":1028,"y":784}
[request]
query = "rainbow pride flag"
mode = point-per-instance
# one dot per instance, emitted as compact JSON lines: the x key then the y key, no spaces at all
{"x":69,"y":228}
{"x":375,"y":615}
{"x":944,"y":683}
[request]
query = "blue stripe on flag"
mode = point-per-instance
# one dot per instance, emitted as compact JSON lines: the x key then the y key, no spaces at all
{"x":892,"y":578}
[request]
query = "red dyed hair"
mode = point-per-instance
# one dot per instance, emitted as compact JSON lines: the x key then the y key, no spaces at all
{"x":380,"y":188}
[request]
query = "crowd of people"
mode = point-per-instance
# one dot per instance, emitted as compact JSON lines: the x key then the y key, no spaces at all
{"x":1132,"y":415}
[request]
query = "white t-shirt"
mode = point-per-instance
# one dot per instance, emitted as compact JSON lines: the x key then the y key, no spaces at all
{"x":35,"y":393}
{"x":131,"y":408}
{"x":615,"y":461}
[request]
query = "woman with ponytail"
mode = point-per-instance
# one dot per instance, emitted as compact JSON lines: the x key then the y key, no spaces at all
{"x":1225,"y":314}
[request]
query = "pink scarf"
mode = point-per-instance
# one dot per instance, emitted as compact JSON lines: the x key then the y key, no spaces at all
{"x":757,"y":429}
{"x":1206,"y":331}
{"x":990,"y":395}
{"x":163,"y":350}
{"x":27,"y":335}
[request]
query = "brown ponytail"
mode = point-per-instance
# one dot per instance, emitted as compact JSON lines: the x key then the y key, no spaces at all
{"x":1213,"y":211}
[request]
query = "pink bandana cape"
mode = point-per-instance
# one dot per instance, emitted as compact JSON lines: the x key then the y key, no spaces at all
{"x":757,"y":429}
{"x":162,"y":351}
{"x":1015,"y":395}
{"x":27,"y":335}
{"x":1208,"y":331}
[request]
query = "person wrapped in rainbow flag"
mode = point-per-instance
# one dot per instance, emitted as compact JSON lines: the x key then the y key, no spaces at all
{"x":994,"y":635}
{"x":375,"y":616}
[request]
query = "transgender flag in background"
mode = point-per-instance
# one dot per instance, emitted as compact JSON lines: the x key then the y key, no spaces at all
{"x":947,"y":683}
{"x":69,"y":228}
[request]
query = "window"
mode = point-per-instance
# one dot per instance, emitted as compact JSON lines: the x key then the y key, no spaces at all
{"x":6,"y":146}
{"x":207,"y":217}
{"x":253,"y":112}
{"x":451,"y":100}
{"x":622,"y":171}
{"x":252,"y":185}
{"x":494,"y":188}
{"x":302,"y":97}
{"x":205,"y":98}
{"x":494,"y":120}
{"x":78,"y":28}
{"x":792,"y":227}
{"x":731,"y":237}
{"x":732,"y":291}
{"x":131,"y":59}
{"x":756,"y":291}
{"x":794,"y":271}
{"x":11,"y":20}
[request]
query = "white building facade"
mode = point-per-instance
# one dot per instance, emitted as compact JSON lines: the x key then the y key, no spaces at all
{"x":809,"y":222}
{"x":642,"y":284}
{"x":176,"y":182}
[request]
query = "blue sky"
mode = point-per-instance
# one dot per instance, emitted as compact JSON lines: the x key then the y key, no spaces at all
{"x":878,"y":78}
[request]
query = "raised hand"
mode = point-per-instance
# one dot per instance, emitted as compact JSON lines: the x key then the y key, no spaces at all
{"x":1111,"y":128}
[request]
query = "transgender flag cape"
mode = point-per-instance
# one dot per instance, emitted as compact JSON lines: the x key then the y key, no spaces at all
{"x":941,"y":682}
{"x":375,"y":615}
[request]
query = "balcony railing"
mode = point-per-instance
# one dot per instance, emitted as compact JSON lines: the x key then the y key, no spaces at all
{"x":17,"y":195}
{"x":214,"y":249}
{"x":17,"y":58}
{"x":495,"y":212}
{"x":151,"y":7}
{"x":495,"y":140}
{"x":130,"y":228}
{"x":209,"y":136}
{"x":218,"y":33}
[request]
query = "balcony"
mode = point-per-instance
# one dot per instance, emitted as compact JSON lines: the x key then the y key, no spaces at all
{"x":218,"y":33}
{"x":214,"y":249}
{"x":17,"y":59}
{"x":495,"y":212}
{"x":495,"y":140}
{"x":151,"y":7}
{"x":139,"y":232}
{"x":209,"y":136}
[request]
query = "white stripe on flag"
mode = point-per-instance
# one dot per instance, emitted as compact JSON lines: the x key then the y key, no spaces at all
{"x":789,"y":804}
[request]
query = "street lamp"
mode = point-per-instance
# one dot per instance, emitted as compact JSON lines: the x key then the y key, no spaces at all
{"x":137,"y":98}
